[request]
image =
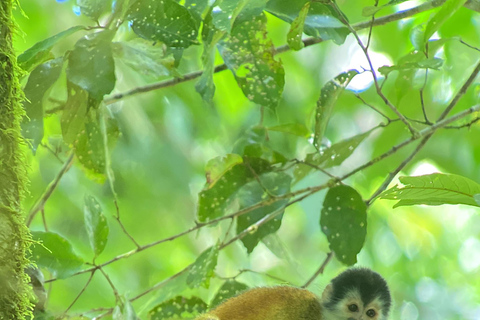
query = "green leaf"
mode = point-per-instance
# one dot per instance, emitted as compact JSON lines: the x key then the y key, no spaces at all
{"x":96,"y":225}
{"x":91,"y":65}
{"x":229,"y":289}
{"x":39,"y":81}
{"x":447,"y":10}
{"x":371,"y":10}
{"x":165,"y":21}
{"x":178,"y":308}
{"x":218,"y":195}
{"x":330,"y":157}
{"x":476,"y":197}
{"x":144,"y":57}
{"x":254,"y":143}
{"x":344,"y":222}
{"x":417,"y":34}
{"x":74,"y":114}
{"x":248,"y":53}
{"x":325,"y":104}
{"x":296,"y":129}
{"x":202,"y":269}
{"x":431,"y":63}
{"x":272,"y":184}
{"x":219,"y":166}
{"x":433,"y":189}
{"x":124,"y":311}
{"x":294,"y":36}
{"x":94,"y":8}
{"x":55,"y":253}
{"x":40,"y":50}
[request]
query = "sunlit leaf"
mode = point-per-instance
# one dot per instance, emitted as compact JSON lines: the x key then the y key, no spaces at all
{"x":96,"y":224}
{"x":202,"y":269}
{"x":228,"y":290}
{"x":294,"y":36}
{"x":178,"y":308}
{"x":55,"y":253}
{"x":273,"y":184}
{"x":344,"y":222}
{"x":165,"y":21}
{"x":433,"y":189}
{"x":447,"y":10}
{"x":248,"y":53}
{"x":325,"y":104}
{"x":39,"y":81}
{"x":40,"y":50}
{"x":217,"y":167}
{"x":296,"y":129}
{"x":91,"y":65}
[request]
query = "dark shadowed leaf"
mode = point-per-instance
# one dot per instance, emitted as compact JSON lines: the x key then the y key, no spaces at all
{"x":344,"y":222}
{"x":272,"y":184}
{"x":39,"y":81}
{"x":325,"y":104}
{"x":165,"y":21}
{"x":433,"y":189}
{"x":96,"y":224}
{"x":74,"y":114}
{"x":91,"y":65}
{"x":202,"y":269}
{"x":229,"y":289}
{"x":178,"y":308}
{"x":55,"y":253}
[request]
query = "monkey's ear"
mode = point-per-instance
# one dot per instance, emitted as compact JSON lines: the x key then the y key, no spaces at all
{"x":327,"y":293}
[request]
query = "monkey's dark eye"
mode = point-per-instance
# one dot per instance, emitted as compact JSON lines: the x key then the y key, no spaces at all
{"x":371,"y":313}
{"x":353,"y":307}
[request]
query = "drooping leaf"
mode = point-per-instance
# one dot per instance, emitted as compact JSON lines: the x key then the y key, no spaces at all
{"x":229,"y":289}
{"x":325,"y":104}
{"x":431,"y":63}
{"x":91,"y":65}
{"x":218,"y":195}
{"x":447,"y":10}
{"x":124,"y":311}
{"x":36,"y":54}
{"x":165,"y":21}
{"x":144,"y":57}
{"x":248,"y":53}
{"x":272,"y":184}
{"x":433,"y":189}
{"x":94,"y":8}
{"x":344,"y":222}
{"x":294,"y":36}
{"x":55,"y":253}
{"x":330,"y":157}
{"x":202,"y":269}
{"x":39,"y":81}
{"x":296,"y":129}
{"x":178,"y":308}
{"x":96,"y":225}
{"x":74,"y":114}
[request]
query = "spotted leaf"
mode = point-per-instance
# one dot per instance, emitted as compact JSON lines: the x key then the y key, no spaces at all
{"x":202,"y":269}
{"x":96,"y":224}
{"x":229,"y":289}
{"x":178,"y":308}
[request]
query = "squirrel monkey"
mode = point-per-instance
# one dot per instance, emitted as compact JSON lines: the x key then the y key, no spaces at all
{"x":355,"y":294}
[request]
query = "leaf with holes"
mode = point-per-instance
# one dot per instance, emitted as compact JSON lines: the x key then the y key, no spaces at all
{"x":178,"y":308}
{"x":344,"y":222}
{"x":96,"y":224}
{"x":248,"y":53}
{"x":325,"y":104}
{"x":203,"y":268}
{"x":91,"y":65}
{"x":165,"y":21}
{"x":39,"y":82}
{"x":330,"y":157}
{"x":229,"y":289}
{"x":433,"y":190}
{"x":294,"y":36}
{"x":272,"y":184}
{"x":55,"y":253}
{"x":226,"y":175}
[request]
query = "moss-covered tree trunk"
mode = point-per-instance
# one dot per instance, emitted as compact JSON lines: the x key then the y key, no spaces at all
{"x":14,"y":236}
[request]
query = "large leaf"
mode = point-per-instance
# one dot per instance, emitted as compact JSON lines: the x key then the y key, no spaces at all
{"x":40,"y":50}
{"x":229,"y":289}
{"x":39,"y":81}
{"x":434,"y":189}
{"x":271,"y":184}
{"x":55,"y":253}
{"x":330,"y":157}
{"x":325,"y":104}
{"x":248,"y":53}
{"x":447,"y":10}
{"x":344,"y":222}
{"x":202,"y":269}
{"x":225,"y":176}
{"x":178,"y":308}
{"x":91,"y":65}
{"x":96,"y":224}
{"x":165,"y":21}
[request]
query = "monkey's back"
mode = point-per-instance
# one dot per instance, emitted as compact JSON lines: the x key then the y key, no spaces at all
{"x":271,"y":303}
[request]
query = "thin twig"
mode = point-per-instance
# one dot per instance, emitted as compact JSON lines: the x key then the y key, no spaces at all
{"x":320,"y":270}
{"x":372,"y":107}
{"x":80,"y":293}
